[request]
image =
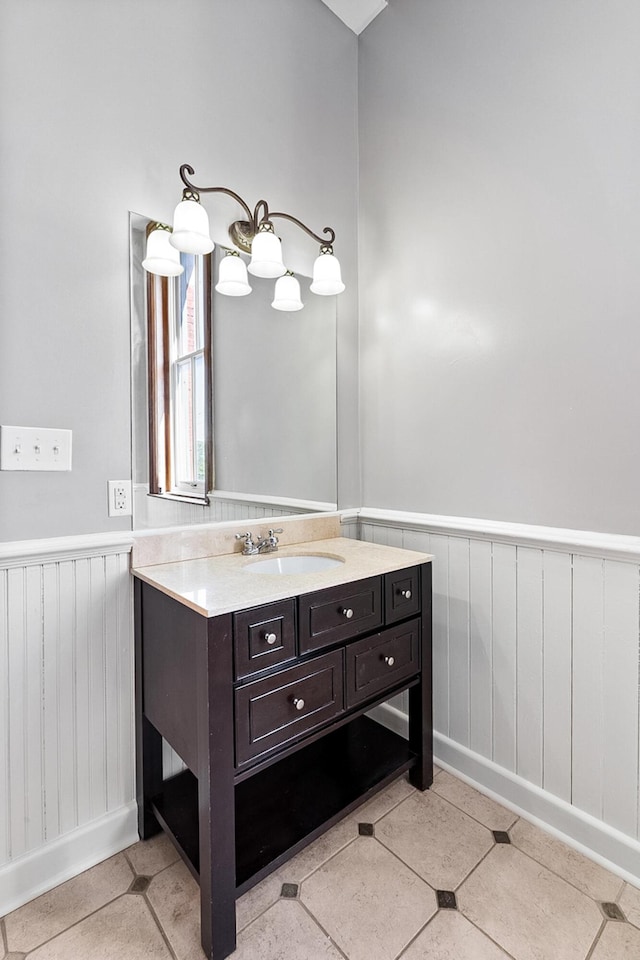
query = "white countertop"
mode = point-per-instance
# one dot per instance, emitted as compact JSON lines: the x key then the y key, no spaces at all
{"x":223,"y":584}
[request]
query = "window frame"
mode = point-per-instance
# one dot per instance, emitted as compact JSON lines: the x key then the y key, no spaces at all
{"x":162,"y":308}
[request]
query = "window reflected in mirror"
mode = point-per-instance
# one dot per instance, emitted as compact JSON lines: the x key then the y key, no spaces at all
{"x":179,"y":374}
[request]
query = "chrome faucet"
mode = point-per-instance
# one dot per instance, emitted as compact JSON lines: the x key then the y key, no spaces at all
{"x":262,"y":545}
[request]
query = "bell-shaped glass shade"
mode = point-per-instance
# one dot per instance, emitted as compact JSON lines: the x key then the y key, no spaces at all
{"x":287,"y":294}
{"x":191,"y":228}
{"x":327,"y":278}
{"x":232,"y":277}
{"x":161,"y":258}
{"x":266,"y":255}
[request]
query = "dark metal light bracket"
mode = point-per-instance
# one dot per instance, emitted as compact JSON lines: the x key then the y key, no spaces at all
{"x":242,"y":232}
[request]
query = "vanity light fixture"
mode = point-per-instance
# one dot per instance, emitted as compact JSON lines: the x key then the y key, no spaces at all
{"x":161,"y":257}
{"x":232,"y":276}
{"x":255,"y":235}
{"x":287,"y":293}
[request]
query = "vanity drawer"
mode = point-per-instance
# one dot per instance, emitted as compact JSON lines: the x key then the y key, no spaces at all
{"x":402,"y":594}
{"x":338,"y":613}
{"x":382,"y":661}
{"x":264,"y":637}
{"x":282,"y":707}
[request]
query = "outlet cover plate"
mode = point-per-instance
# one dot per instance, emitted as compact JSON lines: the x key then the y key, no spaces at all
{"x":119,"y":494}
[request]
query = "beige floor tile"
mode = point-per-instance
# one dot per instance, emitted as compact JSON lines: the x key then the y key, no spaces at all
{"x":435,"y":839}
{"x":175,"y":897}
{"x":630,"y":904}
{"x":583,"y":873}
{"x":53,"y":912}
{"x":285,"y":932}
{"x":258,"y":899}
{"x":125,"y":929}
{"x":148,"y":857}
{"x":619,"y":941}
{"x":450,"y":936}
{"x":436,"y":771}
{"x":320,"y":851}
{"x":383,"y":802}
{"x":528,"y":910}
{"x":368,"y":902}
{"x":481,"y":808}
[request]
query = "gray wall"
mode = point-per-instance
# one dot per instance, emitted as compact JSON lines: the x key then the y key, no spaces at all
{"x":100,"y":102}
{"x":499,"y":252}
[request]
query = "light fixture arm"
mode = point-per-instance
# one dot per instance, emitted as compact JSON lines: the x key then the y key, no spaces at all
{"x":243,"y":231}
{"x":186,"y":168}
{"x":323,"y":241}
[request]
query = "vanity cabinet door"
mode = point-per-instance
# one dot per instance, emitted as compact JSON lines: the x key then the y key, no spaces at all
{"x":272,"y":711}
{"x":377,"y":663}
{"x":339,"y":613}
{"x":264,"y":637}
{"x":402,"y":594}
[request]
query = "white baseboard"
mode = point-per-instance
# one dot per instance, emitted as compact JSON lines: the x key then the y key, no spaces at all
{"x":29,"y":876}
{"x":605,"y":845}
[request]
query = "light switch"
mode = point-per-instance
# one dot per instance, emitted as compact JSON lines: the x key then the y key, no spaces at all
{"x":35,"y":448}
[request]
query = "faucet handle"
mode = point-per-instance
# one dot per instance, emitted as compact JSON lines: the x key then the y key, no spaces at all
{"x":249,"y":546}
{"x":272,"y":540}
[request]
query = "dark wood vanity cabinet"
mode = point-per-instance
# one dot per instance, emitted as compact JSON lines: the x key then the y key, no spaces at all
{"x":267,"y":709}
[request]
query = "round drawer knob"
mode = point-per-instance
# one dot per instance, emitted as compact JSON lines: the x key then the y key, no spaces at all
{"x":389,"y":661}
{"x":298,"y":703}
{"x":270,"y":638}
{"x":347,"y":612}
{"x":406,"y":594}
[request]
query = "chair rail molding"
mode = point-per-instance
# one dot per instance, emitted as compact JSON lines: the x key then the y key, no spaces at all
{"x":584,"y":542}
{"x":19,"y":553}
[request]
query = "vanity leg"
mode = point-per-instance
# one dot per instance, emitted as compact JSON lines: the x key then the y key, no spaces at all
{"x":148,"y":740}
{"x":420,"y":698}
{"x":216,"y":800}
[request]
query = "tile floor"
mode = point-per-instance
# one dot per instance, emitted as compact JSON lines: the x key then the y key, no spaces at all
{"x":444,"y":875}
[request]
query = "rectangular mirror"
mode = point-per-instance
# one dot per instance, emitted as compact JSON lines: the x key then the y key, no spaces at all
{"x":272,"y":405}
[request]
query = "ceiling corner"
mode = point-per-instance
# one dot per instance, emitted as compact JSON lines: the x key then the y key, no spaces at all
{"x":356,"y":14}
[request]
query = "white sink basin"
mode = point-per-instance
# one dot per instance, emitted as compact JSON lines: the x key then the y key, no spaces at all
{"x":305,"y":563}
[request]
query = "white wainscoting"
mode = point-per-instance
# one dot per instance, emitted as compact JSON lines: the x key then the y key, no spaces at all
{"x":66,"y":710}
{"x":536,"y":669}
{"x":536,"y":660}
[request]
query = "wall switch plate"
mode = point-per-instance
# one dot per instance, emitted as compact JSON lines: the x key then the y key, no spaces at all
{"x":34,"y":448}
{"x":119,"y":492}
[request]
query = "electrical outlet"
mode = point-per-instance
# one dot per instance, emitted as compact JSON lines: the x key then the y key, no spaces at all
{"x":119,"y":498}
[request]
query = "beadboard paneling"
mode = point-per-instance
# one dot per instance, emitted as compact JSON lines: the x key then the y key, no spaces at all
{"x":153,"y":512}
{"x":557,"y":667}
{"x":536,"y":660}
{"x":620,"y":698}
{"x":66,"y":708}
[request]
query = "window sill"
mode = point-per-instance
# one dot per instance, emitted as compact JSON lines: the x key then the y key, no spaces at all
{"x":181,"y":498}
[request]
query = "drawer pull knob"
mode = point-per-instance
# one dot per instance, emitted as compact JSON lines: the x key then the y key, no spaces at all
{"x":406,"y":594}
{"x":298,"y":703}
{"x":389,"y":661}
{"x":347,"y":612}
{"x":270,"y":638}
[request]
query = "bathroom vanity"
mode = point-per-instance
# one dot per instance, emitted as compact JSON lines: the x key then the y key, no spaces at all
{"x":261,"y":683}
